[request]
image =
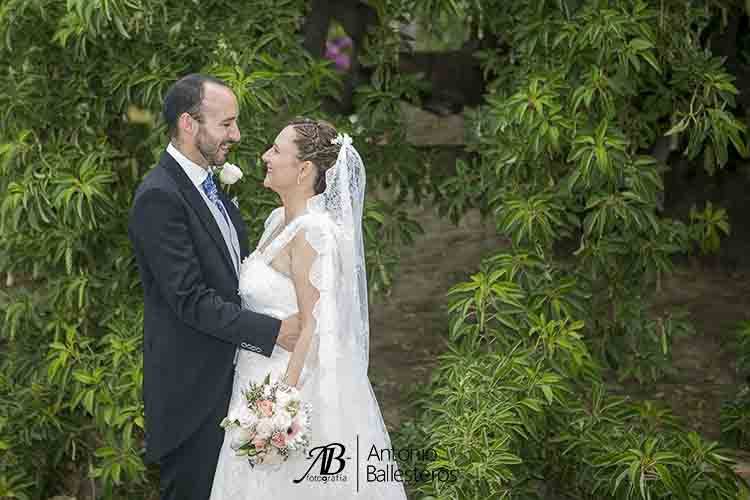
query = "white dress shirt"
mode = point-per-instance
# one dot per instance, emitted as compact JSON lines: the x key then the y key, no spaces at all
{"x":197,"y":175}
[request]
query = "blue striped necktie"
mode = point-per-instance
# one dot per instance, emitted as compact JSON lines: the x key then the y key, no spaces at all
{"x":209,"y":187}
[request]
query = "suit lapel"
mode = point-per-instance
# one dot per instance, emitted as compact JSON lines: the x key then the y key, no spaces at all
{"x":195,"y":200}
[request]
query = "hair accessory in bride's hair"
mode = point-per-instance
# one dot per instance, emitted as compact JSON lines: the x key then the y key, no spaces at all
{"x":342,"y":140}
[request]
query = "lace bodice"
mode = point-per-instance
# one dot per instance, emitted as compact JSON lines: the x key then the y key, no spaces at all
{"x":262,"y":288}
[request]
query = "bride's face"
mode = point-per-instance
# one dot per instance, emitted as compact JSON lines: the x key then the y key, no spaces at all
{"x":282,"y":164}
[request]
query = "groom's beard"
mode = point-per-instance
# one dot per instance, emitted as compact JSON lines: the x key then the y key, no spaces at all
{"x":213,"y":154}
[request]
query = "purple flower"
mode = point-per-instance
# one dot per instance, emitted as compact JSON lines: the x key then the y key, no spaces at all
{"x":335,"y":52}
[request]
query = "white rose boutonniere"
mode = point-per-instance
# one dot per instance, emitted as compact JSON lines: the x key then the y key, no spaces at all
{"x":230,"y":173}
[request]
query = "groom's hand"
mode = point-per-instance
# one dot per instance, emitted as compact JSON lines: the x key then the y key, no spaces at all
{"x":289,"y":332}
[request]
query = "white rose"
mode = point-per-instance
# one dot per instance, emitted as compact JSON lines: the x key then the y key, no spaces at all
{"x":246,"y":417}
{"x":240,"y":437}
{"x":230,"y":173}
{"x":283,"y":398}
{"x":282,"y":420}
{"x":267,"y":391}
{"x":234,"y":415}
{"x":264,"y":429}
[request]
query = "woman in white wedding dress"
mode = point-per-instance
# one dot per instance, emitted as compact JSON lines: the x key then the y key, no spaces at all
{"x":310,"y":261}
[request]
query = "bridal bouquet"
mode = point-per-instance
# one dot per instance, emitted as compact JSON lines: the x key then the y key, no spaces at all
{"x":271,"y":425}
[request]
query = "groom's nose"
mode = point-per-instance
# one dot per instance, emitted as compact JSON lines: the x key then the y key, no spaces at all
{"x":234,"y":133}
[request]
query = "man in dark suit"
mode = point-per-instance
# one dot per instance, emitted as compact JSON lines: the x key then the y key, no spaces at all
{"x":189,"y":241}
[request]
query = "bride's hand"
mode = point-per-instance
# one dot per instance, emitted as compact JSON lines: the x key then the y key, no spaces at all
{"x":289,"y":332}
{"x":285,"y":380}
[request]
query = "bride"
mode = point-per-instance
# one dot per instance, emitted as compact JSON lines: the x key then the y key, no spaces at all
{"x":310,"y":261}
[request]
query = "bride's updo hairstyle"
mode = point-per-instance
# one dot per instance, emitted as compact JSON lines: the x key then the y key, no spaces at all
{"x":314,"y":143}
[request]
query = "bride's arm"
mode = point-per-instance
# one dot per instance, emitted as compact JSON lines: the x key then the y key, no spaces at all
{"x":303,"y":256}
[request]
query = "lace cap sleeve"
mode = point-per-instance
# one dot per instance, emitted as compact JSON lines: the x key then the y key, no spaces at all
{"x":319,"y":232}
{"x":270,"y":224}
{"x":274,"y":217}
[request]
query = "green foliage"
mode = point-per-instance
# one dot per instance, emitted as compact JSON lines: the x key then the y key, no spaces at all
{"x":519,"y":394}
{"x":638,"y":342}
{"x":384,"y":222}
{"x":511,"y":396}
{"x":743,"y":348}
{"x":484,"y":408}
{"x":616,"y":449}
{"x":735,"y":413}
{"x":707,"y":227}
{"x":579,"y":93}
{"x":585,"y":88}
{"x":735,"y":419}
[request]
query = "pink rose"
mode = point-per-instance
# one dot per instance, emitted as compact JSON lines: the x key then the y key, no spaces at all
{"x":259,"y":443}
{"x":278,"y":440}
{"x":266,"y":407}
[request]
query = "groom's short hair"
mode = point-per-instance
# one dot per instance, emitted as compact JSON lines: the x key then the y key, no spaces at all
{"x":185,"y":96}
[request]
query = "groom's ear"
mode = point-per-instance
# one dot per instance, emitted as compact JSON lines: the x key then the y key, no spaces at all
{"x":186,"y":123}
{"x":183,"y":122}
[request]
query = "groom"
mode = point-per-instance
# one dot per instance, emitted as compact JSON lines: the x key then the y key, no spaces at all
{"x":189,"y":241}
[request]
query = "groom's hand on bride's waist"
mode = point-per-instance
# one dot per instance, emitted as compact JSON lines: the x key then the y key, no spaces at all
{"x":289,"y":332}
